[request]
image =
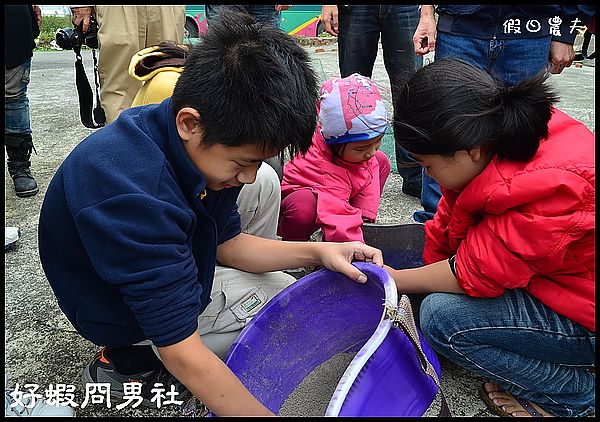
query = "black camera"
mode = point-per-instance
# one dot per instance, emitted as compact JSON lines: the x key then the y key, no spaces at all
{"x":70,"y":38}
{"x":74,"y":39}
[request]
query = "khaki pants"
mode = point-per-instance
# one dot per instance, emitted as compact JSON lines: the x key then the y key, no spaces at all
{"x":237,"y":295}
{"x":258,"y":204}
{"x":123,"y":31}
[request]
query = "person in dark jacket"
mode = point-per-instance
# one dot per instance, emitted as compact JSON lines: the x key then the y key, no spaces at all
{"x":512,"y":43}
{"x":138,"y":215}
{"x":21,"y":28}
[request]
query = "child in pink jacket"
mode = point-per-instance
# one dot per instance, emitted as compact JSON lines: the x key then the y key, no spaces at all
{"x":337,"y":184}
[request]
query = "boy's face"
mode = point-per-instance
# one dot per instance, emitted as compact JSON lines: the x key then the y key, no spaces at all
{"x":222,"y":166}
{"x":361,"y":151}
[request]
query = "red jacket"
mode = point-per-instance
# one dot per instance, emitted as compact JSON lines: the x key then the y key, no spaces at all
{"x":527,"y":225}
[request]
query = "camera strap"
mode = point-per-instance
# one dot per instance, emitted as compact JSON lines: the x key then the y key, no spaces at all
{"x":85,"y":94}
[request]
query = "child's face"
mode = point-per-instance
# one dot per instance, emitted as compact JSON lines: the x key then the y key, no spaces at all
{"x":359,"y":152}
{"x":222,"y":166}
{"x":455,"y":172}
{"x":226,"y":167}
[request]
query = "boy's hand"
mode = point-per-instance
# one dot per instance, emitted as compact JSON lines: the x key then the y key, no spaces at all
{"x":339,"y":257}
{"x":209,"y":379}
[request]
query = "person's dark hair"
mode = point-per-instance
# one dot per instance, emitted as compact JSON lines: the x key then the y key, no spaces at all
{"x":167,"y":53}
{"x":251,"y":83}
{"x":450,"y":105}
{"x":173,"y":49}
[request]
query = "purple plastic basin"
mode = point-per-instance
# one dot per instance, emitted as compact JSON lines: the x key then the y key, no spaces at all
{"x":319,"y":316}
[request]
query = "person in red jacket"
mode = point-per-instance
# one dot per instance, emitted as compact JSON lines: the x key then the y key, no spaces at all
{"x":509,"y":255}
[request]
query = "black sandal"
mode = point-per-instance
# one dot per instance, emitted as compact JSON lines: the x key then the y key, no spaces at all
{"x":494,"y":408}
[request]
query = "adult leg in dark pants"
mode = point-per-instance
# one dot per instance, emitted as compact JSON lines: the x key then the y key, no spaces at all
{"x":360,"y":28}
{"x":17,"y":129}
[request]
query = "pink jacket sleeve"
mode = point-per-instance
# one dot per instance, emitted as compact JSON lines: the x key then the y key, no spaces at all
{"x":367,"y":200}
{"x":340,"y":221}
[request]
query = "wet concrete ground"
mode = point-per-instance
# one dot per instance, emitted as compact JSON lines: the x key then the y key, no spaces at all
{"x":42,"y":348}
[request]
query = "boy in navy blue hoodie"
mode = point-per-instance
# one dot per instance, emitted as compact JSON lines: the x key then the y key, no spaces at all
{"x":139,"y":213}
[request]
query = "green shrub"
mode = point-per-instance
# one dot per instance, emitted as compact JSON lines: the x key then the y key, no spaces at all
{"x":49,"y":26}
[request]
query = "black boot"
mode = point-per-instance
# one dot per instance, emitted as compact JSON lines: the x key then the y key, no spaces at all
{"x":19,"y":151}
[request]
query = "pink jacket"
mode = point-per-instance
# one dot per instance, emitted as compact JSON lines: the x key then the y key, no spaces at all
{"x":346,"y":192}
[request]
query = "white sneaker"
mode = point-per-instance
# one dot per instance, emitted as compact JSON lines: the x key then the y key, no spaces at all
{"x":11,"y":235}
{"x":40,"y":408}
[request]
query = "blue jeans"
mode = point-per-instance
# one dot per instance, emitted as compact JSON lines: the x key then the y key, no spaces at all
{"x":408,"y":168}
{"x":430,"y":196}
{"x":265,"y":13}
{"x":518,"y":342}
{"x":511,"y":61}
{"x":360,"y":27}
{"x":16,"y":103}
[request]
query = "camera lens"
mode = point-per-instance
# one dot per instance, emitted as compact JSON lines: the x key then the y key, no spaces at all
{"x":64,"y":38}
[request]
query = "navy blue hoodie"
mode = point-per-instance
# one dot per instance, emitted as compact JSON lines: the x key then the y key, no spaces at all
{"x":126,"y":244}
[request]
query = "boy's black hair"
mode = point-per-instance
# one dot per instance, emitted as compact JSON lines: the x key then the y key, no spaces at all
{"x":450,"y":105}
{"x":252,"y":84}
